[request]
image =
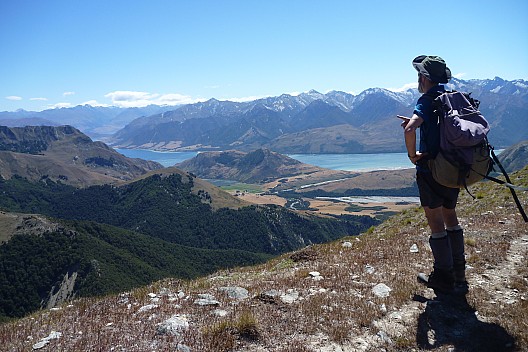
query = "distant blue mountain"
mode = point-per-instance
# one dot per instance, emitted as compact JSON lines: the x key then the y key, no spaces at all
{"x":95,"y":121}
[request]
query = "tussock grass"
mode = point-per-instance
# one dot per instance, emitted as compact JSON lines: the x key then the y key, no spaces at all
{"x":225,"y":335}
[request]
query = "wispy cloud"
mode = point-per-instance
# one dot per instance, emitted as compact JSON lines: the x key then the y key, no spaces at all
{"x":65,"y":94}
{"x":246,"y":99}
{"x":13,"y":97}
{"x":95,"y":103}
{"x":60,"y":105}
{"x":175,"y":99}
{"x":128,"y":99}
{"x":257,"y":97}
{"x":460,"y":75}
{"x":405,"y":87}
{"x":39,"y":99}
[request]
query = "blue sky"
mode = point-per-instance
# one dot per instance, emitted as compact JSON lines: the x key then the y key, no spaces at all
{"x":58,"y":53}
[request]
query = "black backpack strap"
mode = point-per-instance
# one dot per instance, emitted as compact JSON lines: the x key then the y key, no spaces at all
{"x":504,"y":183}
{"x":508,"y":184}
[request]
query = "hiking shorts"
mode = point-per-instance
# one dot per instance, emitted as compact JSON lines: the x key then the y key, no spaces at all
{"x":433,"y":194}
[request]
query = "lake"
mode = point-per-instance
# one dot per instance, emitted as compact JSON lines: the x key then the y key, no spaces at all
{"x":347,"y":162}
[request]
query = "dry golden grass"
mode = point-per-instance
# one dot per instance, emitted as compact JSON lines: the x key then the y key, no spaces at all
{"x":336,"y":312}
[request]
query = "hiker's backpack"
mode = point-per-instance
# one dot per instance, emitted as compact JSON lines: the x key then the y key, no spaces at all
{"x":464,"y":156}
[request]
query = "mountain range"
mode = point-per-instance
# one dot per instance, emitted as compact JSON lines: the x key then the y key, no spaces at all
{"x":95,"y":121}
{"x":312,"y":122}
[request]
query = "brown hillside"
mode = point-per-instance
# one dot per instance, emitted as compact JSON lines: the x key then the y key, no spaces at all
{"x":258,"y":166}
{"x":64,"y":153}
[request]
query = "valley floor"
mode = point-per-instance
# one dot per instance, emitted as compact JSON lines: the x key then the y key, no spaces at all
{"x":328,"y":207}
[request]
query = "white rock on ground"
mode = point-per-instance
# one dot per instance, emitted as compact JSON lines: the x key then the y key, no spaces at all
{"x":381,"y":290}
{"x":43,"y":342}
{"x":174,"y":325}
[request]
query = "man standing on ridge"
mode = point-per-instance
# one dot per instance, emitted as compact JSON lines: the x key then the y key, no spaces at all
{"x":438,"y":202}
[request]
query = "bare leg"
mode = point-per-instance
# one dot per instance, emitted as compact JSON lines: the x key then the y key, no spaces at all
{"x":450,"y":217}
{"x":440,"y":218}
{"x":435,"y":219}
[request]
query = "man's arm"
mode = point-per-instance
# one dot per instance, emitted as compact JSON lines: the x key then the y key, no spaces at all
{"x":409,"y":129}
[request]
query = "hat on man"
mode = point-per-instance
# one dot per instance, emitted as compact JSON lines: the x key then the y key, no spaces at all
{"x":432,"y":67}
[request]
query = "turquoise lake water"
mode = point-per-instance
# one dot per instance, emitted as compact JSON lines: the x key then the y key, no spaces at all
{"x":348,"y":162}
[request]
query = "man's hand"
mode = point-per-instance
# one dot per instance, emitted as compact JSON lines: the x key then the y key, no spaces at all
{"x":405,"y":120}
{"x":414,"y":158}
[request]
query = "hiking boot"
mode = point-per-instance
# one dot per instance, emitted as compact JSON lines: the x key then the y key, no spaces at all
{"x":440,"y":279}
{"x":461,"y":284}
{"x":456,"y":240}
{"x":460,"y":273}
{"x":461,"y":288}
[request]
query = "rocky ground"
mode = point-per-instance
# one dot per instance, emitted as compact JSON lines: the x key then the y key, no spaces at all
{"x":14,"y":223}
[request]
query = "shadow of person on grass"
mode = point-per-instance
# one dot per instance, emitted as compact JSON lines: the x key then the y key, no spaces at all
{"x":449,"y":320}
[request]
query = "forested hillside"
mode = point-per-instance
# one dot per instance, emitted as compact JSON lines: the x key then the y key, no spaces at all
{"x":115,"y":238}
{"x":164,"y":207}
{"x":102,"y":259}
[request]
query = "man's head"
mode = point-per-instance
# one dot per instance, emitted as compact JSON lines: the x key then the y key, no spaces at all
{"x":433,"y":68}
